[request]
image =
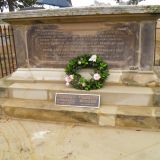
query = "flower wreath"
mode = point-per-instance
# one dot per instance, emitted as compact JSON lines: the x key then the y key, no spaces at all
{"x":86,"y":61}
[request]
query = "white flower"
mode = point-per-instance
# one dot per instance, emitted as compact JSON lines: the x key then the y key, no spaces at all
{"x":69,"y":78}
{"x":83,"y":84}
{"x":67,"y":83}
{"x":79,"y":62}
{"x":96,"y":76}
{"x":93,"y":58}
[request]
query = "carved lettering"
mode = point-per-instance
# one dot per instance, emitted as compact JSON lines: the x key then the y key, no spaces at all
{"x":49,"y":45}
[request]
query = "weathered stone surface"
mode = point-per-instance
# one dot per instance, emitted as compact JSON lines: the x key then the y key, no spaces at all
{"x":122,"y":35}
{"x":113,"y":95}
{"x":54,"y":45}
{"x":157,"y":54}
{"x":21,"y":45}
{"x":123,"y":44}
{"x":107,"y":120}
{"x":137,"y":122}
{"x":47,"y":111}
{"x":156,"y":98}
{"x":147,"y":45}
{"x":28,"y":140}
{"x":118,"y":77}
{"x":121,"y":10}
{"x":3,"y":92}
{"x":52,"y":115}
{"x":157,"y":71}
{"x":139,"y":78}
{"x":157,"y":112}
{"x":38,"y":94}
{"x":106,"y":115}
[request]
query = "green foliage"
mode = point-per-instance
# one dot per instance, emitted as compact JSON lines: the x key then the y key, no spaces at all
{"x":13,"y":4}
{"x":134,"y":2}
{"x":99,"y":66}
{"x":129,"y":2}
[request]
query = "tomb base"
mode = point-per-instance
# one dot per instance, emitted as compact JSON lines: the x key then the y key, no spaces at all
{"x":30,"y":94}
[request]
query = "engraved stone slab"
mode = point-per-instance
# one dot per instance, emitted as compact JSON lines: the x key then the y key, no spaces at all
{"x":77,"y":100}
{"x":53,"y":45}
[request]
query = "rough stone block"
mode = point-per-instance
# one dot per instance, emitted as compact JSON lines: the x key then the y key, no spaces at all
{"x":29,"y":94}
{"x":52,"y":115}
{"x":137,"y":122}
{"x":107,"y":120}
{"x":3,"y":92}
{"x":156,"y":98}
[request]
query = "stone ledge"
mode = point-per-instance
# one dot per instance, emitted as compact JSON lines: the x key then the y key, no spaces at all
{"x":85,"y":11}
{"x":115,"y":116}
{"x":62,"y":87}
{"x":118,"y":77}
{"x":113,"y":95}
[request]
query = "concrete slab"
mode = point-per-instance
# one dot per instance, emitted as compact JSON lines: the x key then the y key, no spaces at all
{"x":27,"y":140}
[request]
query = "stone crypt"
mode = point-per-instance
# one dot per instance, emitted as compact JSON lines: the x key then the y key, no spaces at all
{"x":46,"y":40}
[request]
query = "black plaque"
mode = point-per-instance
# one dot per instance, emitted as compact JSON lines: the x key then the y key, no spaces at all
{"x":53,"y":45}
{"x":77,"y":100}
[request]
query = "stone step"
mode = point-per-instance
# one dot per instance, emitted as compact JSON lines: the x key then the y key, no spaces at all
{"x":106,"y":115}
{"x":116,"y":77}
{"x":4,"y":88}
{"x":110,"y":95}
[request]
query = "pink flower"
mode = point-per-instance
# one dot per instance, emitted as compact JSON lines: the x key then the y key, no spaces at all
{"x":69,"y":78}
{"x":96,"y":76}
